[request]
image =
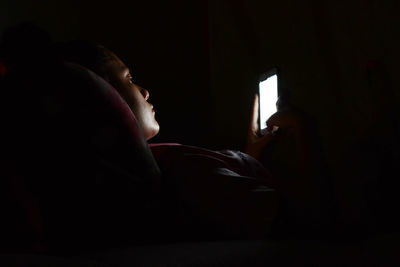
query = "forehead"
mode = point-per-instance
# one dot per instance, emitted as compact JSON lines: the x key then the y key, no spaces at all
{"x":117,"y":64}
{"x":118,"y":61}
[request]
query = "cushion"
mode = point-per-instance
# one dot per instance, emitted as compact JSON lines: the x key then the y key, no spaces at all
{"x":78,"y":148}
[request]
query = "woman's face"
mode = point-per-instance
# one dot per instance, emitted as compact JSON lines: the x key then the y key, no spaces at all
{"x":135,"y":96}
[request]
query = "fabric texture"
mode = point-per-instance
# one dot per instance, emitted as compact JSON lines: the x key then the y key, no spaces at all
{"x":218,"y":194}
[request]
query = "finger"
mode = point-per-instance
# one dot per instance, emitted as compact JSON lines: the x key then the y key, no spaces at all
{"x":272,"y":121}
{"x":277,"y":119}
{"x":254,"y":115}
{"x":272,"y":129}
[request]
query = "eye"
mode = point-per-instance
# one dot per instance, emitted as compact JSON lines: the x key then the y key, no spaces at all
{"x":130,"y":78}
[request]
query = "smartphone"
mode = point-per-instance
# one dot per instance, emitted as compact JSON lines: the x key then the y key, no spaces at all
{"x":267,"y":96}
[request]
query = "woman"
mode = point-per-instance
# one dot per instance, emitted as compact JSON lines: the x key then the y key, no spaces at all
{"x":227,"y":193}
{"x":219,"y":186}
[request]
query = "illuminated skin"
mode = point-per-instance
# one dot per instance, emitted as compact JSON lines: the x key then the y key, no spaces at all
{"x":290,"y":120}
{"x":119,"y":76}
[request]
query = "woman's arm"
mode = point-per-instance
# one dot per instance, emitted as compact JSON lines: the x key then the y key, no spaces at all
{"x":303,"y":191}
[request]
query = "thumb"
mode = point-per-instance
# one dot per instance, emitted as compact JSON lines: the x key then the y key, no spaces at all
{"x":253,"y":127}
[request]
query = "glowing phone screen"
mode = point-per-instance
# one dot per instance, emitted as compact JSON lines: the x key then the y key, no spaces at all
{"x":268,"y":96}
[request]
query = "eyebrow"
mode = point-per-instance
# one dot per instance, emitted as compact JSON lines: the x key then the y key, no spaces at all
{"x":126,"y":70}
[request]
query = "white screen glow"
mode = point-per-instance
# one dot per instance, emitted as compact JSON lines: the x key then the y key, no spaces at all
{"x":268,"y":97}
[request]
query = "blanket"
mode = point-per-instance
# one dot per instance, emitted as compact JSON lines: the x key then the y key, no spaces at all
{"x":224,"y":194}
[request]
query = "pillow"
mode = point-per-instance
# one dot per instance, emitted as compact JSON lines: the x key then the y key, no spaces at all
{"x":77,"y":145}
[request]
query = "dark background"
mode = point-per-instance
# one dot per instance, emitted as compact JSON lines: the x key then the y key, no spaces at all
{"x":200,"y":61}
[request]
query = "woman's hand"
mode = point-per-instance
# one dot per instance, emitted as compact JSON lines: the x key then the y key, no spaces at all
{"x":303,"y":193}
{"x":281,"y":126}
{"x":291,"y":123}
{"x":256,"y":142}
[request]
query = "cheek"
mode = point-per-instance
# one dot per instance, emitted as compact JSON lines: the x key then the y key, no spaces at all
{"x":131,"y":96}
{"x":137,"y":104}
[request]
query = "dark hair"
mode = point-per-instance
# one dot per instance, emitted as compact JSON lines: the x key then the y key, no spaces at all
{"x":91,"y":55}
{"x":27,"y":44}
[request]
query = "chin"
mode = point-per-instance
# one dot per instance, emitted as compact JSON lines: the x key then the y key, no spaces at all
{"x":152,"y":132}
